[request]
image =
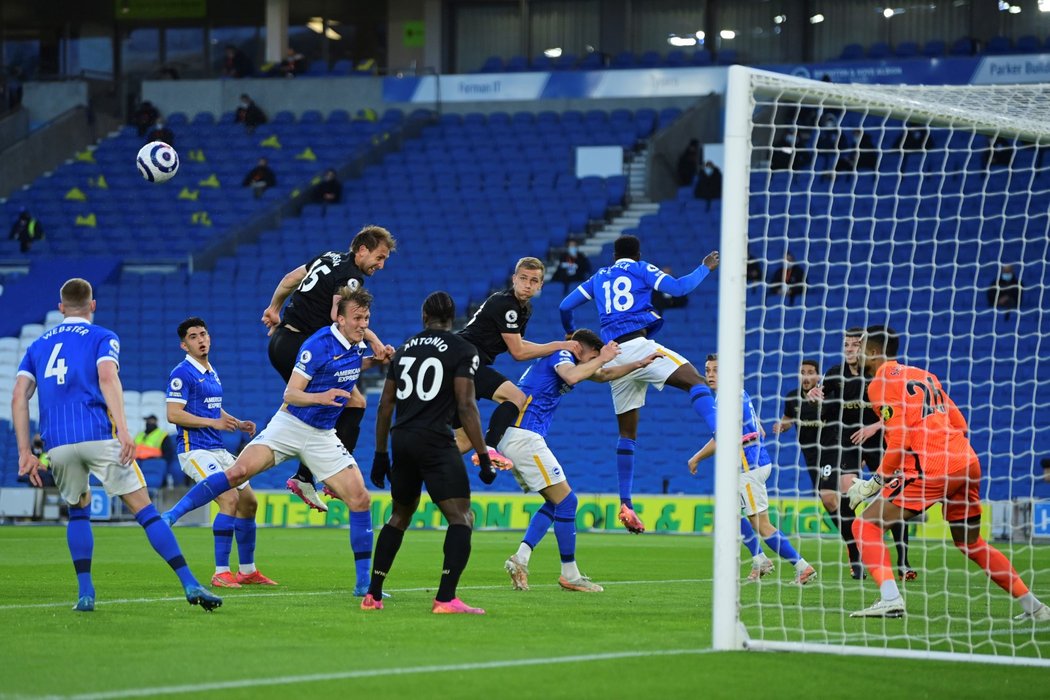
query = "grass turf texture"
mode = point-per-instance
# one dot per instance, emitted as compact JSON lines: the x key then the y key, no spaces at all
{"x":308,"y":635}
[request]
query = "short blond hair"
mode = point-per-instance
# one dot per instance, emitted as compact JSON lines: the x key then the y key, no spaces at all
{"x":360,"y":296}
{"x":530,"y":263}
{"x":371,"y":237}
{"x":76,"y":293}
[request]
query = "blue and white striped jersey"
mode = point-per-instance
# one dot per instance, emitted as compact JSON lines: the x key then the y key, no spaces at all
{"x":64,"y":364}
{"x":329,"y":361}
{"x":199,"y":388}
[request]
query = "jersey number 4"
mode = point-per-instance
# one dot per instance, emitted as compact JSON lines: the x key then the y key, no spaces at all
{"x":618,"y":294}
{"x":56,"y":366}
{"x":424,"y":389}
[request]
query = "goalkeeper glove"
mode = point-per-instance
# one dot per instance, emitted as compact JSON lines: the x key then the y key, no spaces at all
{"x":488,"y":474}
{"x":863,"y":489}
{"x":380,"y":469}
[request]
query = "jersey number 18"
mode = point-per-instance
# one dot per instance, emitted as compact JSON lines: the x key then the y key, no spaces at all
{"x":618,"y":294}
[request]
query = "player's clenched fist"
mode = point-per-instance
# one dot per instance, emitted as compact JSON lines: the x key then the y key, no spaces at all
{"x":380,"y":469}
{"x":331,"y":397}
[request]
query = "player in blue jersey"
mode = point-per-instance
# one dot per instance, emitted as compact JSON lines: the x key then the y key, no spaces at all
{"x":329,"y":365}
{"x":195,"y":406}
{"x":756,"y":467}
{"x":75,"y":368}
{"x":623,"y":294}
{"x":544,"y":384}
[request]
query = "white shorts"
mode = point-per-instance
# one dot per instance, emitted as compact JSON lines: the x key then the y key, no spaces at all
{"x":535,"y":466}
{"x":200,"y":464}
{"x":754,"y":498}
{"x":72,"y":465}
{"x":320,"y":450}
{"x":628,"y":392}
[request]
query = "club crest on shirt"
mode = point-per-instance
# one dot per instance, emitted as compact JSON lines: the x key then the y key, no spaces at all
{"x":886,"y":412}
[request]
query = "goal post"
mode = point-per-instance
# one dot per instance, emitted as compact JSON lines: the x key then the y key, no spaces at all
{"x":908,"y":227}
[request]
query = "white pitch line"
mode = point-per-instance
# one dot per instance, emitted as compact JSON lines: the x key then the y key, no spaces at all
{"x":281,"y":594}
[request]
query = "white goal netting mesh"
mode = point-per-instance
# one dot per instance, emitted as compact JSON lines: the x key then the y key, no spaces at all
{"x":905,"y":207}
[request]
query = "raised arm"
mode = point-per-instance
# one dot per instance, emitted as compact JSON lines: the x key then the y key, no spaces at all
{"x":577,"y":297}
{"x":521,"y":349}
{"x":272,"y":315}
{"x":681,"y":286}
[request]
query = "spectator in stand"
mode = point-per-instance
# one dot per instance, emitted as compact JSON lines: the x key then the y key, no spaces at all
{"x":1000,"y":152}
{"x":25,"y":230}
{"x":573,"y":269}
{"x":293,"y":64}
{"x":161,"y":133}
{"x":153,"y":443}
{"x":788,"y":280}
{"x":914,"y":139}
{"x":1005,"y":292}
{"x":663,"y":301}
{"x":260,"y":178}
{"x":865,"y":156}
{"x":236,"y":64}
{"x":144,"y":117}
{"x":709,"y":184}
{"x":689,"y":163}
{"x":329,"y":190}
{"x":754,"y":269}
{"x":789,"y":151}
{"x":249,"y":114}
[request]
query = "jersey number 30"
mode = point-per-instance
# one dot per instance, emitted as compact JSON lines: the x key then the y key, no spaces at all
{"x":56,"y":366}
{"x":618,"y":294}
{"x":424,"y":389}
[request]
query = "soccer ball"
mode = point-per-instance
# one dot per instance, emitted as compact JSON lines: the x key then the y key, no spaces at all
{"x":158,"y":162}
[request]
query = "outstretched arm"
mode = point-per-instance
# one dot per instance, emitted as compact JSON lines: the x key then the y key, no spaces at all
{"x":577,"y":297}
{"x":683,"y":285}
{"x":702,"y":454}
{"x":288,"y":284}
{"x":521,"y":349}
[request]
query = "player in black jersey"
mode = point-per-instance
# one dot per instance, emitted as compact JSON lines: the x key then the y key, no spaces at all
{"x":852,"y":434}
{"x":498,"y":326}
{"x":312,"y":290}
{"x":431,"y":379}
{"x":803,"y":413}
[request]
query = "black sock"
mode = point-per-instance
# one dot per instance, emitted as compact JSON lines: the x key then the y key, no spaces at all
{"x":348,"y":427}
{"x":457,"y":552}
{"x":303,"y":473}
{"x":387,"y":544}
{"x":845,"y":517}
{"x":899,"y":530}
{"x":502,"y":418}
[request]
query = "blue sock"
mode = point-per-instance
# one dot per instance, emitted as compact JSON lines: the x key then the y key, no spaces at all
{"x":163,"y":542}
{"x":81,"y":544}
{"x":780,"y":544}
{"x":203,"y":492}
{"x":750,"y":538}
{"x":540,"y":523}
{"x":244,"y":529}
{"x":361,"y":544}
{"x":625,"y":469}
{"x":704,"y":404}
{"x":222,"y":529}
{"x":565,"y":527}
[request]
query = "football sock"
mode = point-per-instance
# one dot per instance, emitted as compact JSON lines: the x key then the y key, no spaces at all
{"x":81,"y":543}
{"x":899,"y":530}
{"x":782,"y":546}
{"x":222,"y":529}
{"x":348,"y":427}
{"x":244,"y":530}
{"x":303,"y":473}
{"x":203,"y":492}
{"x":501,"y":419}
{"x":888,"y":589}
{"x":539,"y":524}
{"x":565,"y":528}
{"x":387,"y":544}
{"x":844,"y":518}
{"x":750,"y":538}
{"x":1029,"y":603}
{"x":163,"y":540}
{"x":361,"y":544}
{"x":523,"y":554}
{"x":996,"y":565}
{"x":457,"y":553}
{"x":704,"y":404}
{"x":570,"y":570}
{"x":873,"y":552}
{"x":625,"y":469}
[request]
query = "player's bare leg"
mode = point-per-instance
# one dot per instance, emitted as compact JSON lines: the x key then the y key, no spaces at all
{"x":627,"y":424}
{"x":457,"y":553}
{"x":349,"y":486}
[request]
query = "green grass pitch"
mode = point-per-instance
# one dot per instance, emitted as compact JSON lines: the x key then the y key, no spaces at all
{"x":647,"y":635}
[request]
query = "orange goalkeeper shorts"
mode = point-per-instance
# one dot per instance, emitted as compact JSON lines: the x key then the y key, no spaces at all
{"x":958,"y":493}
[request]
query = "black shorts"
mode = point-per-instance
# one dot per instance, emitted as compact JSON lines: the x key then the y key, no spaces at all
{"x":486,"y":382}
{"x":419,"y":458}
{"x":849,"y":458}
{"x":284,"y":350}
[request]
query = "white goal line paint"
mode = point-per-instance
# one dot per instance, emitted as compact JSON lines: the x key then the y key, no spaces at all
{"x":365,"y":673}
{"x":338,"y":591}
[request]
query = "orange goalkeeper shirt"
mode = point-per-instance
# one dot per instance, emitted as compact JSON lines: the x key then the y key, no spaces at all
{"x":918,"y":418}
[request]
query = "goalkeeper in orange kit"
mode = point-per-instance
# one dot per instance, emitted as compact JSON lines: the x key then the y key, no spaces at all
{"x":929,"y":460}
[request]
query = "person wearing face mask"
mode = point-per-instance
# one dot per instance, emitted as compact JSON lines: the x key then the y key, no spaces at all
{"x":161,"y":132}
{"x":573,"y":268}
{"x":709,"y":184}
{"x":249,"y":114}
{"x":1005,"y":292}
{"x":788,"y":280}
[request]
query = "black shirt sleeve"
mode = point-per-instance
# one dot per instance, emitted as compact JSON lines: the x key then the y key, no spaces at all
{"x":791,"y":401}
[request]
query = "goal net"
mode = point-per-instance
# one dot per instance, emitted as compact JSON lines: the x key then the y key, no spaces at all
{"x":900,"y":206}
